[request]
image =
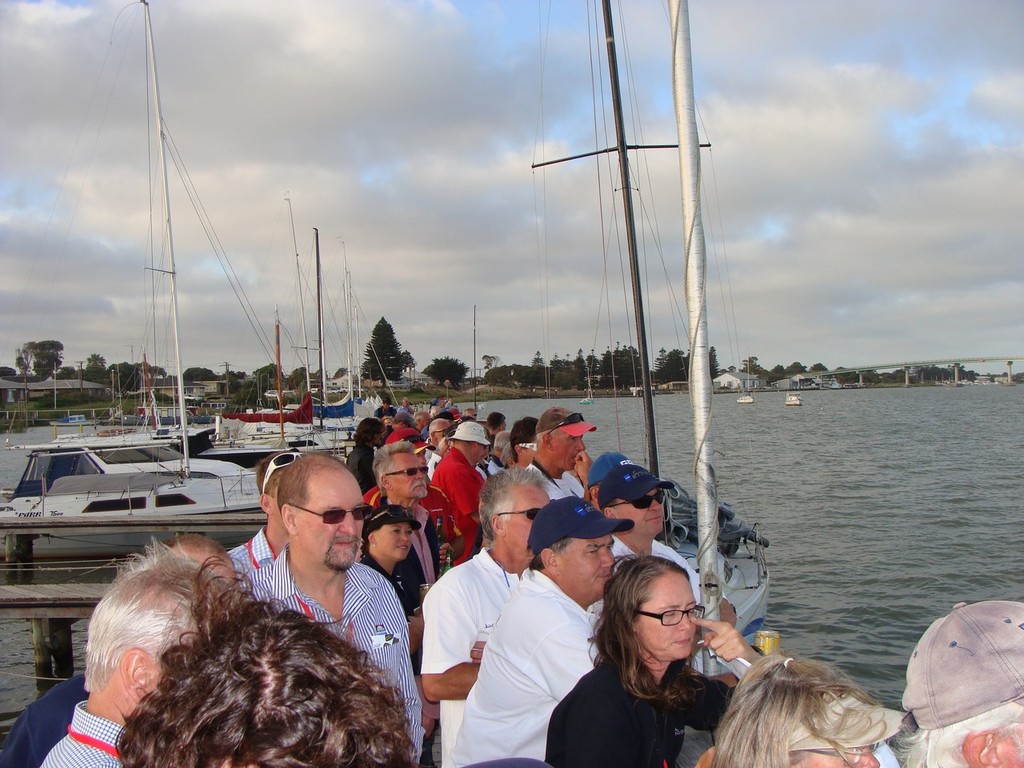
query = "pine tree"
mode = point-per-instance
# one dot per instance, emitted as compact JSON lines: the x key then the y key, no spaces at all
{"x":383,"y":355}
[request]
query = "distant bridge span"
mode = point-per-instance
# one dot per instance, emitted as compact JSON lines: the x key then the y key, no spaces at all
{"x":925,"y":364}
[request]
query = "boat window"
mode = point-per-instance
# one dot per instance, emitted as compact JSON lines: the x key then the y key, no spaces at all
{"x":139,"y":454}
{"x":173,"y":500}
{"x":116,"y":505}
{"x":52,"y":466}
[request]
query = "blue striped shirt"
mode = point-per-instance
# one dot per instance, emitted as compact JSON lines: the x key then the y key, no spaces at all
{"x":75,"y":750}
{"x":253,"y":555}
{"x":372,"y":619}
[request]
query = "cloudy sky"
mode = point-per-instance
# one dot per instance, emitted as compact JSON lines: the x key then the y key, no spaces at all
{"x":864,"y":189}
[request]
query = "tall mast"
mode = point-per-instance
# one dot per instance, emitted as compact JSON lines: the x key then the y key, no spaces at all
{"x":348,"y":328}
{"x":320,"y":328}
{"x":634,"y":262}
{"x":169,"y":241}
{"x":696,"y":303}
{"x":302,"y":298}
{"x":277,"y":360}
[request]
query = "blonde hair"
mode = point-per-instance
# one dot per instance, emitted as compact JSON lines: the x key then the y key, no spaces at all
{"x":774,"y":698}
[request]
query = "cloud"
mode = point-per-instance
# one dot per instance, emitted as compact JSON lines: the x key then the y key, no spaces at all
{"x":862,"y":193}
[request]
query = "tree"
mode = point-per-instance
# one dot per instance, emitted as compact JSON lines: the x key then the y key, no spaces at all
{"x":713,"y":362}
{"x":383,"y":354}
{"x":198,"y":374}
{"x":41,"y":357}
{"x":671,"y":366}
{"x":96,"y":368}
{"x":442,"y":369}
{"x":6,"y":370}
{"x":490,"y":361}
{"x":407,"y":360}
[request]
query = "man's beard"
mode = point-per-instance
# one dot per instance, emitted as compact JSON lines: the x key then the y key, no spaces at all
{"x":340,"y":559}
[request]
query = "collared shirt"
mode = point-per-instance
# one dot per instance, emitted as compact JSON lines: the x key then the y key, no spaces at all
{"x":256,"y":553}
{"x":372,"y":619}
{"x":539,"y":650}
{"x":558,"y":488}
{"x":620,"y":549}
{"x":462,"y":484}
{"x":461,"y":608}
{"x":91,"y":743}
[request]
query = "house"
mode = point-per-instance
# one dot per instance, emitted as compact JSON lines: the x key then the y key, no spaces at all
{"x":47,"y":387}
{"x":738,"y":380}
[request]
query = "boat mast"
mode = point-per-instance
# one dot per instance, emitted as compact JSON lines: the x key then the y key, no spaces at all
{"x":320,"y":328}
{"x":348,"y":330}
{"x":701,"y":389}
{"x":171,"y":272}
{"x":277,"y":356}
{"x":302,"y":300}
{"x":634,"y":262}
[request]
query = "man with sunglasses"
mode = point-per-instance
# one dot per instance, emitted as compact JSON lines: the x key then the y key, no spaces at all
{"x":541,"y":645}
{"x":462,"y":608}
{"x":630,"y":492}
{"x":318,"y":574}
{"x":561,"y":455}
{"x":262,"y":548}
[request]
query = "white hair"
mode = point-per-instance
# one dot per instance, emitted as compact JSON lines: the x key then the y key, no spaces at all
{"x":148,"y":606}
{"x":943,"y":747}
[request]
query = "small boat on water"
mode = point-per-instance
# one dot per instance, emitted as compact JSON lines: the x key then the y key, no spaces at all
{"x":745,"y":399}
{"x":793,"y":399}
{"x":73,"y":420}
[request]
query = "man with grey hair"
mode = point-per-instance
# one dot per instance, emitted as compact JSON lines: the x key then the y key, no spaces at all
{"x":438,"y":443}
{"x":461,"y":609}
{"x":965,"y":689}
{"x":147,"y":608}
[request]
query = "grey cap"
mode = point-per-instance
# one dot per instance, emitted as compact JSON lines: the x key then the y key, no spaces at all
{"x":967,"y":663}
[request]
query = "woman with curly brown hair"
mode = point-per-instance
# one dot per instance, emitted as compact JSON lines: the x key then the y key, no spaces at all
{"x":631,"y":710}
{"x":260,"y":686}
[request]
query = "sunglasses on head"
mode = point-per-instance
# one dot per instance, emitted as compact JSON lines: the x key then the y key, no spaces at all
{"x":278,"y":462}
{"x":644,"y":501}
{"x":410,"y":472}
{"x":335,"y":516}
{"x":572,"y":418}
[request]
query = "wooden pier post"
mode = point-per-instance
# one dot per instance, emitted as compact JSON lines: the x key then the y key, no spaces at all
{"x":40,"y":649}
{"x":18,"y":548}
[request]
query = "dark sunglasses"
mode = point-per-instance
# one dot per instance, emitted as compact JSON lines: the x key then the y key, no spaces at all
{"x":390,"y":511}
{"x":335,"y":516}
{"x":644,"y":501}
{"x":572,"y":418}
{"x":530,"y":513}
{"x":410,"y":472}
{"x":278,"y":462}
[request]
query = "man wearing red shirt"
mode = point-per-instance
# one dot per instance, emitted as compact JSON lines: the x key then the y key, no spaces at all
{"x":456,"y":475}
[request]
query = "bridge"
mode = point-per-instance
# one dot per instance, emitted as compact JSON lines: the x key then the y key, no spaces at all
{"x":956,"y":362}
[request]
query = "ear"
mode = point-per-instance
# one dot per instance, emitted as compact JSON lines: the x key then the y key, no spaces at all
{"x":981,"y":748}
{"x":289,"y":516}
{"x":498,"y":525}
{"x":266,"y":504}
{"x":139,"y":673}
{"x":371,"y":539}
{"x":552,"y":561}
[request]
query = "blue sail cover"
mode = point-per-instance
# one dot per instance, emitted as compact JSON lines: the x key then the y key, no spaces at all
{"x":335,"y":411}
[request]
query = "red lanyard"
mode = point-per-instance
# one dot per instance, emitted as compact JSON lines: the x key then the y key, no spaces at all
{"x":252,"y":557}
{"x":305,"y":608}
{"x":92,"y":741}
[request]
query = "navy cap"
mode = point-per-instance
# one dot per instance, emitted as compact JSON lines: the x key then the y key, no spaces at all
{"x":571,"y":517}
{"x":603,"y":463}
{"x":628,"y":482}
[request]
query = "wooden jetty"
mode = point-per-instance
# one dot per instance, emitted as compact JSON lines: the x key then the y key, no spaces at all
{"x":53,"y":608}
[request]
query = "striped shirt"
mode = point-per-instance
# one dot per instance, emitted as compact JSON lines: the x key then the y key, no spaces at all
{"x":372,"y":619}
{"x":91,"y":743}
{"x":253,"y":555}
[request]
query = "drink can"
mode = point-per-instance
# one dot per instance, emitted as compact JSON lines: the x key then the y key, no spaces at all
{"x":767,"y":641}
{"x":424,"y":588}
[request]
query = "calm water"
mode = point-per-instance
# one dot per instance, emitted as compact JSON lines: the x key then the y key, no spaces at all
{"x":883,"y":507}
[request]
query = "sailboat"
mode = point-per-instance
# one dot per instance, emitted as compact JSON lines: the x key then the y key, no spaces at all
{"x":133,"y":480}
{"x":728,"y":553}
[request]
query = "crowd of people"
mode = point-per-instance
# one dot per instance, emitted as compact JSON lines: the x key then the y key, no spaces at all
{"x":498,"y":590}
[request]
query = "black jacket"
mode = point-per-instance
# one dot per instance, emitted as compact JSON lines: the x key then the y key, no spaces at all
{"x":600,"y":725}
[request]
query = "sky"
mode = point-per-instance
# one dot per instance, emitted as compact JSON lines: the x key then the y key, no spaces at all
{"x":864,"y":189}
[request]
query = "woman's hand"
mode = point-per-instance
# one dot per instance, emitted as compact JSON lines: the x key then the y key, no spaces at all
{"x":725,"y":640}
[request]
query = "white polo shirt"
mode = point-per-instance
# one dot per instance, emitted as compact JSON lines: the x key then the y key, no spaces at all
{"x":461,"y":607}
{"x":538,"y":652}
{"x":562,"y":487}
{"x":619,"y":549}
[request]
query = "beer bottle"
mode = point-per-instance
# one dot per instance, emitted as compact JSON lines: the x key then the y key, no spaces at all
{"x":447,"y":561}
{"x":439,"y":529}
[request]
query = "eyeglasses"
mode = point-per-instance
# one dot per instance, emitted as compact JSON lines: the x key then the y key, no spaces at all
{"x":278,"y":462}
{"x":530,"y":513}
{"x":849,"y":755}
{"x":335,"y":516}
{"x":410,"y":472}
{"x":644,"y":501}
{"x":673,"y":617}
{"x":527,"y":446}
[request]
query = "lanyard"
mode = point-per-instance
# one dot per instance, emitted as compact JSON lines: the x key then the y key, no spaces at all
{"x":252,"y":557}
{"x":92,"y":741}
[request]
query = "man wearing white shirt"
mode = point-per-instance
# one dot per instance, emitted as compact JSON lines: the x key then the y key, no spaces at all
{"x":561,"y":455}
{"x":540,"y":647}
{"x":461,"y":608}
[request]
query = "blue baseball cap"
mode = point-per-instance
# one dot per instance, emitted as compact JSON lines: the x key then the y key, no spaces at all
{"x":628,"y":482}
{"x":603,"y":463}
{"x":571,"y":517}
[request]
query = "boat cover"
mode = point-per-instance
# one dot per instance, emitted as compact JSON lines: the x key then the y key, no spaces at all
{"x":301,"y":415}
{"x":120,"y":482}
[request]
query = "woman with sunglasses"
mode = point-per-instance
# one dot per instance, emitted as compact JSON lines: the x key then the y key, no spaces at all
{"x":792,"y":712}
{"x":632,"y":709}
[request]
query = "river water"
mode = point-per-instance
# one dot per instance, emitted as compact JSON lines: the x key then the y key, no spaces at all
{"x":884,"y":508}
